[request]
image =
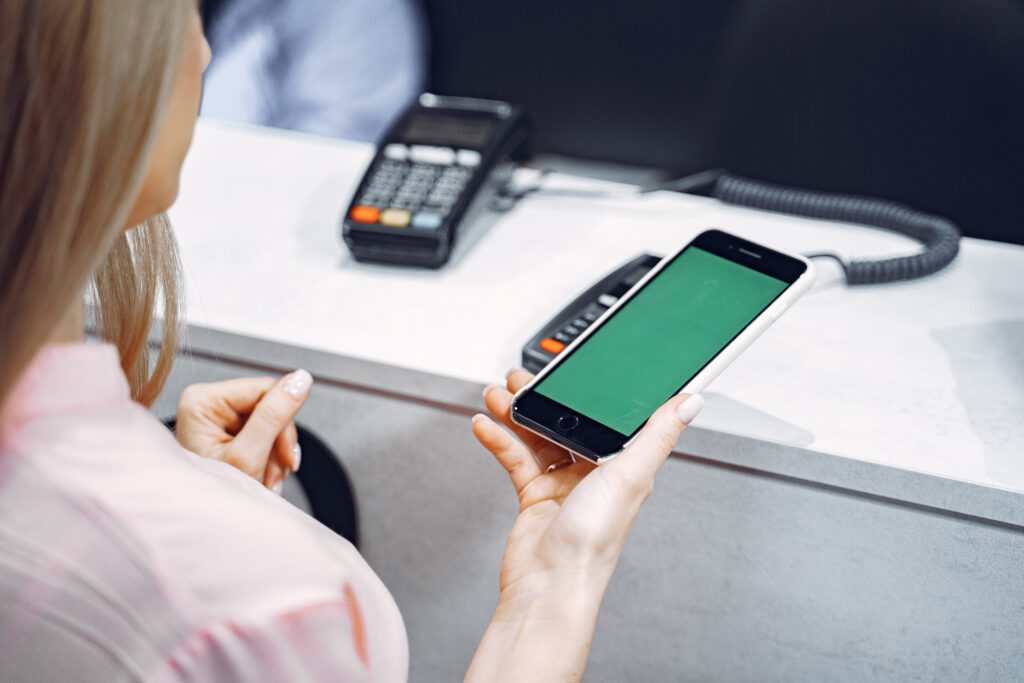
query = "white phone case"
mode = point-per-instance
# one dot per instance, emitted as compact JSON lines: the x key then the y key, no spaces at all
{"x":721,"y":361}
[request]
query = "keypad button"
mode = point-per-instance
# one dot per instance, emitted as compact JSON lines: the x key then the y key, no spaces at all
{"x":364,"y":214}
{"x":620,"y":289}
{"x":423,"y":170}
{"x":607,"y":300}
{"x":562,"y":337}
{"x":590,"y":315}
{"x":552,"y":346}
{"x":571,"y":331}
{"x":468,"y":157}
{"x":395,"y":218}
{"x":396,"y":151}
{"x":455,"y":173}
{"x":427,"y":220}
{"x":390,"y":168}
{"x":425,"y":154}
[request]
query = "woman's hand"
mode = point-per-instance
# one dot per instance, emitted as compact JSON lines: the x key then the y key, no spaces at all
{"x":247,"y":423}
{"x":573,"y":522}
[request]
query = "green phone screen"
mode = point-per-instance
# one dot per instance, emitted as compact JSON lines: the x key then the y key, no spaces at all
{"x":660,"y":339}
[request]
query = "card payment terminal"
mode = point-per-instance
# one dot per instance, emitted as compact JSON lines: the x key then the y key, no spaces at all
{"x":584,"y":311}
{"x":440,"y":160}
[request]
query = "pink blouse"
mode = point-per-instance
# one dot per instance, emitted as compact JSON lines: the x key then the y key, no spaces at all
{"x":125,"y":557}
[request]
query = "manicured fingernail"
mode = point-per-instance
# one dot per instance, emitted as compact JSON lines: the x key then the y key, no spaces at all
{"x":296,"y":457}
{"x":298,"y":383}
{"x":488,"y":388}
{"x":278,"y":487}
{"x":478,"y":417}
{"x":689,"y":408}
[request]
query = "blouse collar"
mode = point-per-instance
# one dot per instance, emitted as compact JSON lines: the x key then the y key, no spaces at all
{"x":66,"y":378}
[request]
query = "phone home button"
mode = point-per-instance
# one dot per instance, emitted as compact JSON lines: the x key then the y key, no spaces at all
{"x":567,"y":423}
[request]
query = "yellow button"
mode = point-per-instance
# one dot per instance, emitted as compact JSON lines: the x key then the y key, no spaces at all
{"x":395,"y":218}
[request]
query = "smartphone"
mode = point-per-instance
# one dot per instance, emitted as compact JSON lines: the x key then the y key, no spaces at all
{"x":673,"y":332}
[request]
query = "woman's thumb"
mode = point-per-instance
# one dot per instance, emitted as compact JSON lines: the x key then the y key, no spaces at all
{"x":659,"y":436}
{"x":274,"y":412}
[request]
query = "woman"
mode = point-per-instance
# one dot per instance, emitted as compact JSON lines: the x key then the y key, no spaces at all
{"x":124,"y":555}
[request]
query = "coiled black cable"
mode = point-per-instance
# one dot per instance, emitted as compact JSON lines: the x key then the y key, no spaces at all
{"x":940,"y":236}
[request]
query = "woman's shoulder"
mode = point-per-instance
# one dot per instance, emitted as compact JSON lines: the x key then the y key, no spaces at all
{"x":103,"y":586}
{"x":153,"y":535}
{"x":221,"y":530}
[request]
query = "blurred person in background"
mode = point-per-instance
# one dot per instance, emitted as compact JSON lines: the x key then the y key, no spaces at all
{"x":341,"y":68}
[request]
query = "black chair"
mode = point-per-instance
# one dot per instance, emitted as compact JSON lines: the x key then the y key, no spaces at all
{"x":327,"y":487}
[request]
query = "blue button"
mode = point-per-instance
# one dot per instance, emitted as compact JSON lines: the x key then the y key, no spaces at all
{"x":426,"y":220}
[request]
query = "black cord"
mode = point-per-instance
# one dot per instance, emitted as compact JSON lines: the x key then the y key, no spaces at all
{"x":940,"y":236}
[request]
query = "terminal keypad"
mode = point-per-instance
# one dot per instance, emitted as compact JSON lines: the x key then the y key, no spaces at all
{"x":414,"y":186}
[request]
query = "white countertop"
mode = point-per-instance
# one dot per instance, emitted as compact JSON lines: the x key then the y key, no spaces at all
{"x":926,"y":376}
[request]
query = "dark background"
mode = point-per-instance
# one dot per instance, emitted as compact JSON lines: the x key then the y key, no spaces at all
{"x":921,"y":101}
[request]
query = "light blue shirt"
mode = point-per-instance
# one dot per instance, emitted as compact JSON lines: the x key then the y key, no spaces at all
{"x":342,"y":68}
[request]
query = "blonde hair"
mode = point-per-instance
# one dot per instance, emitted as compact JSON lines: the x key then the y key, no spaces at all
{"x":83,"y":85}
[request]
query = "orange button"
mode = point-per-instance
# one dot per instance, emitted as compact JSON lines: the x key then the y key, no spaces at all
{"x":552,"y":345}
{"x":364,"y":214}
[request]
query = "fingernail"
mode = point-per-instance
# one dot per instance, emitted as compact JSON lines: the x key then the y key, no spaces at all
{"x":478,"y":417}
{"x":296,"y":457}
{"x":513,"y":370}
{"x":298,"y":383}
{"x":488,"y":388}
{"x":689,"y":408}
{"x":278,"y":487}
